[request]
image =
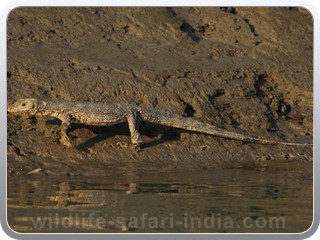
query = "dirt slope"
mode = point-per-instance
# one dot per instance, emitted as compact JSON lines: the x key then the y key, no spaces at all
{"x":248,"y":70}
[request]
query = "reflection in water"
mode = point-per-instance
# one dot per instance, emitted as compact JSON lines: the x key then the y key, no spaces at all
{"x":206,"y":201}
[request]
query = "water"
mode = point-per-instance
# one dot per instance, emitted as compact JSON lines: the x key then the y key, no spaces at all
{"x":227,"y":200}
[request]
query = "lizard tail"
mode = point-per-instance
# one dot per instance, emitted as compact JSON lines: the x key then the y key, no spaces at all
{"x":173,"y":120}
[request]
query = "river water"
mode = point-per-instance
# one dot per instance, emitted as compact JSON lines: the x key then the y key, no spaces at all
{"x":224,"y":200}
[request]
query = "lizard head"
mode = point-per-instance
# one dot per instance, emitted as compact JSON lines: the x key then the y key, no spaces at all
{"x":30,"y":105}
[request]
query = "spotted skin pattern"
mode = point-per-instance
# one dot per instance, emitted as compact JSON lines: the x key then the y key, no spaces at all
{"x":110,"y":113}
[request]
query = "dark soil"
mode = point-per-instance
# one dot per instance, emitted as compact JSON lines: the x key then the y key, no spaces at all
{"x":247,"y":70}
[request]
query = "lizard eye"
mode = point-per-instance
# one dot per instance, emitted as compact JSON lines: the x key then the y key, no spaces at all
{"x":23,"y":104}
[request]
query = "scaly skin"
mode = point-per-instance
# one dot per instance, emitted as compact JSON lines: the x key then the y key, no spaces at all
{"x":109,"y":113}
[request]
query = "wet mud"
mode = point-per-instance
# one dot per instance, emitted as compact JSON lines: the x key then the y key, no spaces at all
{"x":247,"y":70}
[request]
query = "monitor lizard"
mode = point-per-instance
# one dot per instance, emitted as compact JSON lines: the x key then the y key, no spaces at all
{"x":109,"y":113}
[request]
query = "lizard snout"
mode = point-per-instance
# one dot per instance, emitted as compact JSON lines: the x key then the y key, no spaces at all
{"x":9,"y":109}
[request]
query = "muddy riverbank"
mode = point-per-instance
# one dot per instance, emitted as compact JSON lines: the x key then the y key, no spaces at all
{"x":247,"y":70}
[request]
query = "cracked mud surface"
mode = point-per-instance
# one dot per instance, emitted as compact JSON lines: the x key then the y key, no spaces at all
{"x":247,"y":70}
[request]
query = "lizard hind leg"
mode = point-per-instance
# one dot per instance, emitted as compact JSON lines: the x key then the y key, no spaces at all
{"x":133,"y":122}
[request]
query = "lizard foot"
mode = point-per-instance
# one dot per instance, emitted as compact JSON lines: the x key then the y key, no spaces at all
{"x":64,"y":140}
{"x":122,"y":145}
{"x":137,"y":146}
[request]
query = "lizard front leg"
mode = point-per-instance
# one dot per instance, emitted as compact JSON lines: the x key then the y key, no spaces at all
{"x":133,"y":122}
{"x":65,"y":125}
